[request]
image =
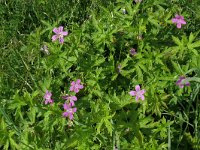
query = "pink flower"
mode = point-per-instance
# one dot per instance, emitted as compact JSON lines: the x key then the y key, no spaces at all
{"x":47,"y":97}
{"x":178,"y":20}
{"x":138,"y":93}
{"x":59,"y":34}
{"x":132,"y":51}
{"x":76,"y":86}
{"x":70,"y":99}
{"x":69,"y":111}
{"x":180,"y":82}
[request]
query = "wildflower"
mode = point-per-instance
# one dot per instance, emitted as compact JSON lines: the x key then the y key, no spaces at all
{"x":48,"y":98}
{"x":138,"y":93}
{"x":69,"y":111}
{"x":138,"y":1}
{"x":132,"y":51}
{"x":59,"y":34}
{"x":70,"y":99}
{"x":178,"y":20}
{"x":45,"y":49}
{"x":76,"y":86}
{"x":181,"y":83}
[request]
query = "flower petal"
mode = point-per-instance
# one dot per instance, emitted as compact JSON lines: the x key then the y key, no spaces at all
{"x":74,"y":98}
{"x":132,"y":93}
{"x":73,"y":83}
{"x":66,"y":106}
{"x":76,"y":90}
{"x":60,"y":29}
{"x":71,"y":88}
{"x":174,"y":20}
{"x":55,"y":30}
{"x":71,"y":103}
{"x":178,"y":25}
{"x":142,"y":97}
{"x":61,"y":40}
{"x":142,"y":92}
{"x":54,"y":37}
{"x":187,"y":83}
{"x":65,"y":114}
{"x":78,"y":81}
{"x":177,"y":16}
{"x":46,"y":102}
{"x":74,"y":110}
{"x":80,"y":86}
{"x":71,"y":116}
{"x":65,"y":33}
{"x":178,"y":82}
{"x":181,"y":86}
{"x":137,"y":98}
{"x":181,"y":17}
{"x":137,"y":88}
{"x":182,"y":21}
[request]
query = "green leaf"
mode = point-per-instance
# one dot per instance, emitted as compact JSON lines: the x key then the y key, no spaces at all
{"x":95,"y":22}
{"x":177,"y":41}
{"x":99,"y":61}
{"x":177,"y":67}
{"x":108,"y":126}
{"x":139,"y":137}
{"x":194,"y":45}
{"x":99,"y":126}
{"x":154,"y":22}
{"x":191,"y":37}
{"x":32,"y":114}
{"x":139,"y":73}
{"x":72,"y":59}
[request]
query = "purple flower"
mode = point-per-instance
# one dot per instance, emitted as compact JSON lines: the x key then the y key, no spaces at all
{"x":178,"y":20}
{"x":137,"y":93}
{"x":48,"y":98}
{"x":180,"y":82}
{"x":76,"y":86}
{"x":70,"y":99}
{"x":132,"y":51}
{"x":59,"y":34}
{"x":69,"y":111}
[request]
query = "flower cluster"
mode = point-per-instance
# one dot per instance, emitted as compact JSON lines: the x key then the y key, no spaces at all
{"x":69,"y":104}
{"x":76,"y":85}
{"x":69,"y":100}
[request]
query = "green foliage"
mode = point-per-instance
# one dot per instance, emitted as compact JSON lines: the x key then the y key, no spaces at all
{"x":97,"y":51}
